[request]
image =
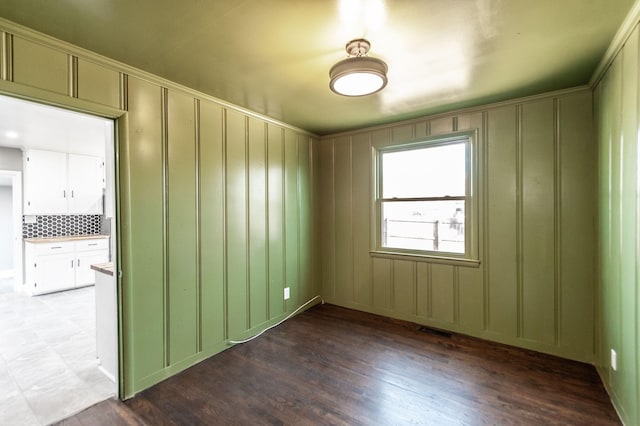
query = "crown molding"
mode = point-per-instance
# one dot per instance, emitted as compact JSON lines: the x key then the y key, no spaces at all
{"x":617,"y":43}
{"x":456,"y":112}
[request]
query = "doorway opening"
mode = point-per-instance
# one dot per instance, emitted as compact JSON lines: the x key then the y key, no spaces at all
{"x":10,"y":230}
{"x":58,"y":302}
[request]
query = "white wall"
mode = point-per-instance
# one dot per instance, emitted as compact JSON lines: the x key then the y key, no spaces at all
{"x":6,"y":228}
{"x":10,"y":159}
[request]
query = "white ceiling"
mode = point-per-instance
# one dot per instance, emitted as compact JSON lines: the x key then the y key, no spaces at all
{"x":26,"y":125}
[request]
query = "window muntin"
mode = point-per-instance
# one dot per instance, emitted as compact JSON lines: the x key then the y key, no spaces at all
{"x":424,"y":204}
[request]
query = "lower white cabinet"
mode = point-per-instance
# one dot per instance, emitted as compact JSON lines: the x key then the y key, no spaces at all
{"x":63,"y":265}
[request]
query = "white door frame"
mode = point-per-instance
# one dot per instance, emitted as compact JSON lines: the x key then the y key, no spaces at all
{"x":16,"y":190}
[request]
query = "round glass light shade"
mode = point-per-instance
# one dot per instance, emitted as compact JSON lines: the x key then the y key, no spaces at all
{"x":358,"y":76}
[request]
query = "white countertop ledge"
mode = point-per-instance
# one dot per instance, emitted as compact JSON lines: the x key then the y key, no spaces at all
{"x":65,"y":238}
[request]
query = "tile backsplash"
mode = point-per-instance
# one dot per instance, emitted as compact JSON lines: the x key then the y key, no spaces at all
{"x":62,"y":226}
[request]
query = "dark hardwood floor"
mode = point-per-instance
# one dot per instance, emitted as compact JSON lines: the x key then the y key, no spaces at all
{"x":331,"y":365}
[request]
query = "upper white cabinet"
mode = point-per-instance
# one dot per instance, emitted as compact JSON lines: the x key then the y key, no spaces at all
{"x":45,"y":182}
{"x":61,"y":183}
{"x":85,"y":182}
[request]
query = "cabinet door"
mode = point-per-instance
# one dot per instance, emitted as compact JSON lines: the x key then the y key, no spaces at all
{"x":84,"y":274}
{"x":53,"y":273}
{"x":86,"y":178}
{"x":45,"y":182}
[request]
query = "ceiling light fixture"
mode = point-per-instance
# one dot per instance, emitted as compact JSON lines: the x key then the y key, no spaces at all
{"x":358,"y":75}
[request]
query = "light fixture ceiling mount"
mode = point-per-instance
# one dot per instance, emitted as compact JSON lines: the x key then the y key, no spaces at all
{"x":359,"y":74}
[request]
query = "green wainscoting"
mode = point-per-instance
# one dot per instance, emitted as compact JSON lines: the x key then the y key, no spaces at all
{"x":618,"y":124}
{"x":216,"y":211}
{"x":535,"y":284}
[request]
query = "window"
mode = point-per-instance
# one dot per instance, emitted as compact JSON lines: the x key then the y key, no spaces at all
{"x":425,"y":200}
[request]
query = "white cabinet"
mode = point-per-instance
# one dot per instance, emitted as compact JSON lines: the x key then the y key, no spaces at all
{"x":55,"y":266}
{"x":61,"y":183}
{"x":45,"y":182}
{"x":49,"y":267}
{"x":89,"y":252}
{"x":85,"y":183}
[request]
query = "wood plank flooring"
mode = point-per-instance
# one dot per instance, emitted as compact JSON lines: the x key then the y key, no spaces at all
{"x":336,"y":366}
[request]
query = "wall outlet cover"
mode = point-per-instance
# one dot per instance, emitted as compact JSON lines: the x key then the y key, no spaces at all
{"x":614,"y":360}
{"x":287,"y":293}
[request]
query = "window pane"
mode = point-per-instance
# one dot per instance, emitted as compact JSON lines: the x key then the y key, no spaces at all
{"x":436,"y":171}
{"x":424,"y":225}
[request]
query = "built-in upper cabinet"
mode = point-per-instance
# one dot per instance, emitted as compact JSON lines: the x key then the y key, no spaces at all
{"x":61,"y":183}
{"x":85,"y":181}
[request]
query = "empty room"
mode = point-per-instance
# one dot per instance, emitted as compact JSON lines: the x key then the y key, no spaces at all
{"x":354,"y":212}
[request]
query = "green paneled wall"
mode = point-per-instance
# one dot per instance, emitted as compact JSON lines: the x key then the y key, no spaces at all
{"x":618,"y":122}
{"x":534,"y":287}
{"x":216,"y":211}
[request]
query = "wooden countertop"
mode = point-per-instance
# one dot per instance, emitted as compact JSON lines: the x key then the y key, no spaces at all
{"x":105,"y":268}
{"x":41,"y":240}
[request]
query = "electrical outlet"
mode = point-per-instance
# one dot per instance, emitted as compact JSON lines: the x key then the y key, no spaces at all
{"x":614,"y":360}
{"x":287,"y":293}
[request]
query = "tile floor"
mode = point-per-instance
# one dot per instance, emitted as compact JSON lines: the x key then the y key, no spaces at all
{"x":48,"y":365}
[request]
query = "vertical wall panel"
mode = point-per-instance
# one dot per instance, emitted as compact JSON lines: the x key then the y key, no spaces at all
{"x":236,"y":203}
{"x":317,"y":187}
{"x":442,"y":293}
{"x":538,"y":221}
{"x":305,"y":243}
{"x":470,"y":305}
{"x":382,"y":284}
{"x":612,"y":294}
{"x":423,"y":290}
{"x":402,"y":132}
{"x":404,"y":287}
{"x":182,"y":243}
{"x":257,"y":223}
{"x":98,"y":84}
{"x":502,"y":220}
{"x":604,"y":211}
{"x":361,"y":176}
{"x":212,"y":235}
{"x":327,"y":222}
{"x":577,"y":216}
{"x":291,"y":218}
{"x":472,"y":296}
{"x":628,"y":350}
{"x":40,"y":66}
{"x":275,"y":164}
{"x":441,"y":126}
{"x":142,"y":235}
{"x":344,"y":220}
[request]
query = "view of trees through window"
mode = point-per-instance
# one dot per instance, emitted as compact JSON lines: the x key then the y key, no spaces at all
{"x":424,"y":197}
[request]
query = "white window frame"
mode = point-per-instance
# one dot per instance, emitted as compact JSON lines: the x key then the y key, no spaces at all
{"x":470,"y":256}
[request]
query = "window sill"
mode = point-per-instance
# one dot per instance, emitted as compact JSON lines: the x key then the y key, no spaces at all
{"x":471,"y":263}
